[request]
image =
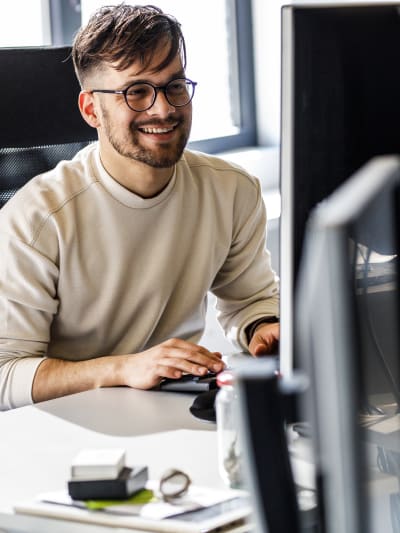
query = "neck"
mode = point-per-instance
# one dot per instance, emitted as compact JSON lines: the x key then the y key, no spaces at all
{"x":138,"y":177}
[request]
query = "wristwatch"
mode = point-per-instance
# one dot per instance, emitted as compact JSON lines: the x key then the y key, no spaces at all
{"x":251,"y":328}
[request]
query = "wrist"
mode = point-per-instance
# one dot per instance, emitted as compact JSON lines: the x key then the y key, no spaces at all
{"x":252,"y":328}
{"x":111,"y":373}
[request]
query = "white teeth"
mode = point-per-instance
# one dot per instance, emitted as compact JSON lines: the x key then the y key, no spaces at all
{"x":156,"y":130}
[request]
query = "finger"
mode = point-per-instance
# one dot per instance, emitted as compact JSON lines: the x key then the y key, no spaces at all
{"x":259,"y":345}
{"x":184,"y":365}
{"x":195,"y":355}
{"x":263,"y":345}
{"x":260,"y":349}
{"x":170,"y":372}
{"x":195,"y":349}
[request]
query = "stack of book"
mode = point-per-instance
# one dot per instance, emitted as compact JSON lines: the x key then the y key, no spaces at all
{"x":101,"y":474}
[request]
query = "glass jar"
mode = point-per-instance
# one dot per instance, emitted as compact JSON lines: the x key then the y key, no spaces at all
{"x":229,"y":462}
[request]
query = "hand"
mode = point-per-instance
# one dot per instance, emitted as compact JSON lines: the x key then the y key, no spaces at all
{"x":265,"y":339}
{"x":170,"y":359}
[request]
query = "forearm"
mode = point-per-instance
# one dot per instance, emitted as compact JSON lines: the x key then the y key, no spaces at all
{"x":144,"y":370}
{"x":246,"y":286}
{"x":56,"y":377}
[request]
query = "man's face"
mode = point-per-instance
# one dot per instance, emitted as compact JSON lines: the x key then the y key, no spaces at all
{"x":157,"y":136}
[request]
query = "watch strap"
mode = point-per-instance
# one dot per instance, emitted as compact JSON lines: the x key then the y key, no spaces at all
{"x":251,"y":328}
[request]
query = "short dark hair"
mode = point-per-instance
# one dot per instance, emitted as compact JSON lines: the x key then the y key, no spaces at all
{"x":123,"y":34}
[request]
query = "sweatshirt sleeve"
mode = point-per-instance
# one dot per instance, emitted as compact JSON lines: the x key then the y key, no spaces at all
{"x":246,"y":286}
{"x":28,"y":303}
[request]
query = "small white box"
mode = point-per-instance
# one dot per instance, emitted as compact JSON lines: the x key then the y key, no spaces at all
{"x":92,"y":464}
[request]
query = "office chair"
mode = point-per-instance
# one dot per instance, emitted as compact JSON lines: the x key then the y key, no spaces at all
{"x":39,"y":116}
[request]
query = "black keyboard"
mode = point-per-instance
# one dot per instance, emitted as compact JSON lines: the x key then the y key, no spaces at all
{"x":190,"y":383}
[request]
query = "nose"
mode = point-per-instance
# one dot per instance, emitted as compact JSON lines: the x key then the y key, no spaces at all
{"x":161,"y":105}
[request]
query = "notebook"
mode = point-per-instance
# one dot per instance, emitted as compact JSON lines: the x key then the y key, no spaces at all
{"x":231,"y":513}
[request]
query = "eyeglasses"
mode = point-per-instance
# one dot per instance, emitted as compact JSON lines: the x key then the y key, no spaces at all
{"x":140,"y":96}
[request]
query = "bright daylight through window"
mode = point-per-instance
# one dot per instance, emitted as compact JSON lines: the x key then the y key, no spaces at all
{"x":211,"y":52}
{"x":24,"y":23}
{"x":211,"y":40}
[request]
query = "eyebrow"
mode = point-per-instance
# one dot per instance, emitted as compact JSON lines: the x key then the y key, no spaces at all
{"x":176,"y":75}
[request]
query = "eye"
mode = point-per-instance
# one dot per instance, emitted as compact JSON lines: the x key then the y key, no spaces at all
{"x":139,"y":91}
{"x":177,"y":86}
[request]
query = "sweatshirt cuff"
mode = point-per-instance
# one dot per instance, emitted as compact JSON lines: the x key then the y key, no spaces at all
{"x":18,"y":387}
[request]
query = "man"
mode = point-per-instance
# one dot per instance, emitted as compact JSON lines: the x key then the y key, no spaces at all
{"x":108,"y":258}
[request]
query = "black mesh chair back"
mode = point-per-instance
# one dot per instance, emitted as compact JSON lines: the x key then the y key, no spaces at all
{"x":39,"y":116}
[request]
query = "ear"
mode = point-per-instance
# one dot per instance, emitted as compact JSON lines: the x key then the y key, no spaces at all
{"x":87,"y":108}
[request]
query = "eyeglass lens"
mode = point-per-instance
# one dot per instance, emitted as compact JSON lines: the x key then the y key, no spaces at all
{"x":141,"y":96}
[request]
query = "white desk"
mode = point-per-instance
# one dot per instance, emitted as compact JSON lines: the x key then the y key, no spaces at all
{"x":38,"y":443}
{"x":155,"y":428}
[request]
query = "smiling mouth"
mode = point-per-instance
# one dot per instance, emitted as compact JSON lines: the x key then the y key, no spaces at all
{"x":157,"y":130}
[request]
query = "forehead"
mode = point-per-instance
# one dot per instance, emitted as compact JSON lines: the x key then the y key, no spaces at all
{"x":135,"y":71}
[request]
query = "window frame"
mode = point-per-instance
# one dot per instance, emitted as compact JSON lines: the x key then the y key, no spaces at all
{"x":65,"y":20}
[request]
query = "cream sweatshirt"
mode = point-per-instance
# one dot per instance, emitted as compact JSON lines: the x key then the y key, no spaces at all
{"x":89,"y":269}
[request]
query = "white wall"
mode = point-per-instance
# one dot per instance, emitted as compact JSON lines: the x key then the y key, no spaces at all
{"x":267,"y":51}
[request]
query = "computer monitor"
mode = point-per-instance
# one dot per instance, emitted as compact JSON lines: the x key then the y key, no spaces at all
{"x":269,"y":478}
{"x":340,"y":107}
{"x":348,"y":280}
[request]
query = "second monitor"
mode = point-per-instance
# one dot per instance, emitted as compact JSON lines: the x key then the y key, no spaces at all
{"x":340,"y":107}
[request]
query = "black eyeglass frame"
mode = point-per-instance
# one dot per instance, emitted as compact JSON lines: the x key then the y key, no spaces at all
{"x":156,"y":89}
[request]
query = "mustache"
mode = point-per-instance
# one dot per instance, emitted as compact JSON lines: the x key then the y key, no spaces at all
{"x":156,"y":122}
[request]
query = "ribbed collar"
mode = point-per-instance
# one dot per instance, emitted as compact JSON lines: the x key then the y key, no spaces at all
{"x":123,"y":195}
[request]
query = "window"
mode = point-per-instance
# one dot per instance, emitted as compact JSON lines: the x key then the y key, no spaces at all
{"x":211,"y":35}
{"x":219,"y":53}
{"x":24,"y":23}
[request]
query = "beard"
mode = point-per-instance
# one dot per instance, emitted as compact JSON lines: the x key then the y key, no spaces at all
{"x":129,"y":145}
